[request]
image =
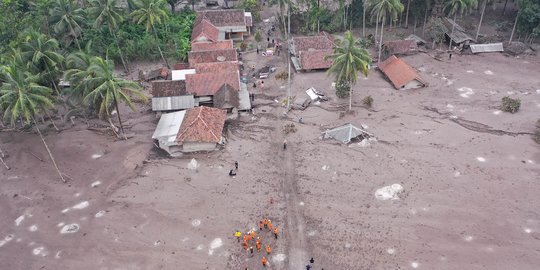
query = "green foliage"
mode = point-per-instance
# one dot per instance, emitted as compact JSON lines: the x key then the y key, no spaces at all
{"x":510,"y":105}
{"x":343,"y":89}
{"x":243,"y":46}
{"x":257,"y":36}
{"x":348,"y":59}
{"x":253,"y":7}
{"x":20,"y":96}
{"x":436,"y":29}
{"x":536,"y":134}
{"x":529,"y":17}
{"x":367,"y":101}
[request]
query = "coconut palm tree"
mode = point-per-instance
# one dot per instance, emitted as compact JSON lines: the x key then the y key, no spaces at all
{"x":105,"y":89}
{"x":77,"y":73}
{"x":151,"y":13}
{"x":107,"y":13}
{"x":458,"y":6}
{"x":41,"y":54}
{"x":481,"y":17}
{"x":67,"y":17}
{"x":382,"y":9}
{"x":21,"y":98}
{"x":283,"y":4}
{"x":347,"y":60}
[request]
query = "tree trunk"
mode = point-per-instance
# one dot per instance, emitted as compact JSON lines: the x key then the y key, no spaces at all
{"x":407,"y":15}
{"x":453,"y":26}
{"x":288,"y":59}
{"x":118,"y":113}
{"x":425,"y":21}
{"x":119,"y":51}
{"x":414,"y":29}
{"x":514,"y":28}
{"x":376,"y":28}
{"x":380,"y":43}
{"x":350,"y":98}
{"x":159,"y":48}
{"x":193,"y":5}
{"x":52,"y":80}
{"x":75,"y":36}
{"x":504,"y":8}
{"x":481,"y":18}
{"x":173,"y":7}
{"x":364,"y":18}
{"x":49,"y":151}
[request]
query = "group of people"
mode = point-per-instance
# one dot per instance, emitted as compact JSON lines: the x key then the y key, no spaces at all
{"x":252,"y":237}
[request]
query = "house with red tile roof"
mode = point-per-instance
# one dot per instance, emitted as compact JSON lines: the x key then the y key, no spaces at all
{"x":400,"y":74}
{"x":192,"y":130}
{"x":310,"y":52}
{"x":232,"y":23}
{"x":196,"y":57}
{"x":212,"y":46}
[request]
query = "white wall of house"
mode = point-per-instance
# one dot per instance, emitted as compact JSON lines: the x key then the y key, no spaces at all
{"x":198,"y":146}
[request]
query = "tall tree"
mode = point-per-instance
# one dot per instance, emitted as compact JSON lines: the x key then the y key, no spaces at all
{"x":458,"y":6}
{"x":105,"y":89}
{"x":383,"y":9}
{"x":78,"y":74}
{"x":283,"y":5}
{"x":407,"y":15}
{"x":41,"y":54}
{"x":481,"y":18}
{"x":21,"y":98}
{"x":67,"y":17}
{"x":151,"y":13}
{"x":348,"y":59}
{"x":106,"y":12}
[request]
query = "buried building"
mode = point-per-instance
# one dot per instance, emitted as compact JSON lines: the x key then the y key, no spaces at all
{"x":401,"y":75}
{"x":346,"y":133}
{"x":193,"y":130}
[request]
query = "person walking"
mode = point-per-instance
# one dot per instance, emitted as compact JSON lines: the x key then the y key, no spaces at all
{"x":264,"y":261}
{"x":270,"y":225}
{"x":312,"y":260}
{"x":258,"y":245}
{"x":257,"y":50}
{"x":276,"y":232}
{"x":236,"y":164}
{"x":251,"y":249}
{"x":268,"y":249}
{"x":261,"y":225}
{"x":238,"y":234}
{"x":285,"y":144}
{"x":265,"y":222}
{"x":262,"y":84}
{"x":245,"y":245}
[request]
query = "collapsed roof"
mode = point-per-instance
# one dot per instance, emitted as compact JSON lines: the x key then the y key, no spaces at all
{"x":346,"y":133}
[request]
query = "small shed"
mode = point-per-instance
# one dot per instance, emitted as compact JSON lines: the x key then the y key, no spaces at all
{"x":399,"y":47}
{"x":419,"y":40}
{"x":459,"y":36}
{"x":346,"y":133}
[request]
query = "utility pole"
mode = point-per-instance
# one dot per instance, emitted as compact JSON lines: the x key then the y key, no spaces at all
{"x":289,"y":56}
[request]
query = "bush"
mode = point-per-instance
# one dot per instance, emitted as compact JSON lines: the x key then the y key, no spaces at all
{"x":536,"y":134}
{"x":282,"y":75}
{"x":510,"y":105}
{"x":258,"y":37}
{"x":367,"y":101}
{"x":343,"y":89}
{"x":243,"y":46}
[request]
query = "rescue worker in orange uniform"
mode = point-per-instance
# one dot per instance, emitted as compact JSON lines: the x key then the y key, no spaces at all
{"x":245,"y":245}
{"x":258,"y":244}
{"x":268,"y":249}
{"x":270,"y":225}
{"x":276,"y":232}
{"x":265,"y":222}
{"x":264,"y":261}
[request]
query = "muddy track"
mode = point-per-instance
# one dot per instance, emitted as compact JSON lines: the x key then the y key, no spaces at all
{"x":476,"y":126}
{"x":295,"y":223}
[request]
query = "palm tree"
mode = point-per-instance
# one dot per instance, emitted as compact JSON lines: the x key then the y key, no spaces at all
{"x":348,"y":58}
{"x":150,"y":13}
{"x":67,"y":16}
{"x":381,"y":9}
{"x":481,"y":18}
{"x":458,"y":6}
{"x":21,"y":98}
{"x":77,"y":73}
{"x":105,"y":89}
{"x":41,"y":54}
{"x":107,"y":12}
{"x":282,"y":5}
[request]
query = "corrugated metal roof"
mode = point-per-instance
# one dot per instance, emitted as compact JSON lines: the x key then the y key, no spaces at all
{"x":168,"y":127}
{"x":459,"y":35}
{"x":243,"y":98}
{"x":173,"y":103}
{"x":344,"y":133}
{"x":490,"y":47}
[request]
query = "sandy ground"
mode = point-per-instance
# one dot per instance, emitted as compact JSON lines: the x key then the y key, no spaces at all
{"x":469,"y":174}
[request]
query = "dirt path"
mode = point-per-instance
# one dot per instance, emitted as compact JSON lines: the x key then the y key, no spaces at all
{"x":296,"y":240}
